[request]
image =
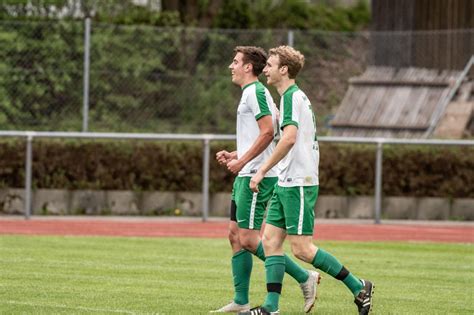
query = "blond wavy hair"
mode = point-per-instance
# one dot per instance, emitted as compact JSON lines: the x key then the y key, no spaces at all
{"x":289,"y":57}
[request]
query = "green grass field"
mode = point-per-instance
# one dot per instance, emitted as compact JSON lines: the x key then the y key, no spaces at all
{"x":108,"y":275}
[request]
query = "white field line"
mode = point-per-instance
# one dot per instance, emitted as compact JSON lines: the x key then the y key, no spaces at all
{"x":82,"y":308}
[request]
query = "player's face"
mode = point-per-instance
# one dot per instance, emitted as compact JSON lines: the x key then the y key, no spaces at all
{"x":237,"y":69}
{"x":272,"y":70}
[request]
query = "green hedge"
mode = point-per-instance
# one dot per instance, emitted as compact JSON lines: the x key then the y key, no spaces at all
{"x":177,"y":166}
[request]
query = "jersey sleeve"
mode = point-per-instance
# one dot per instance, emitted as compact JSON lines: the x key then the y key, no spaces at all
{"x":290,"y":111}
{"x":260,"y":106}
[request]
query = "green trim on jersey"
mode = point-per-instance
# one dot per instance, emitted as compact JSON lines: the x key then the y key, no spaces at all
{"x":246,"y":86}
{"x":262,"y":100}
{"x":248,"y":130}
{"x":288,"y":107}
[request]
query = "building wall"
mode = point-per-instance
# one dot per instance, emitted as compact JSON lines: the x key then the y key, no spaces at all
{"x":155,"y":203}
{"x":448,"y":46}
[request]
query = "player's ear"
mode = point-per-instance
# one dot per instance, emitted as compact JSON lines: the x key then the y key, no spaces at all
{"x":248,"y":67}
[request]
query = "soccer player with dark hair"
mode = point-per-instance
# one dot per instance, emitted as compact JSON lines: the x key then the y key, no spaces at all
{"x":256,"y":128}
{"x":291,"y":210}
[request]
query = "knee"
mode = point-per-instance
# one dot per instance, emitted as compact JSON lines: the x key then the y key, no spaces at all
{"x":245,"y":243}
{"x":302,"y":252}
{"x":269,"y":244}
{"x":233,"y":237}
{"x":249,"y":241}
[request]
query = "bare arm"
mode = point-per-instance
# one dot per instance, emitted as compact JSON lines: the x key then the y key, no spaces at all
{"x":283,"y":147}
{"x":261,"y":143}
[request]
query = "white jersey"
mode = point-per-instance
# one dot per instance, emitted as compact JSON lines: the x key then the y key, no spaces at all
{"x":300,"y":166}
{"x":255,"y":103}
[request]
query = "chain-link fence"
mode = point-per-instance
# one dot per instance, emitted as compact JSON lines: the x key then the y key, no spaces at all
{"x":176,"y":80}
{"x":41,"y":71}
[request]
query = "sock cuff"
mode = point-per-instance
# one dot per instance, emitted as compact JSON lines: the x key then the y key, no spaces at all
{"x":319,"y":258}
{"x":240,"y":253}
{"x":274,"y":260}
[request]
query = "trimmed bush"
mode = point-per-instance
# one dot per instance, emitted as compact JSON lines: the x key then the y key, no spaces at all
{"x":177,"y":166}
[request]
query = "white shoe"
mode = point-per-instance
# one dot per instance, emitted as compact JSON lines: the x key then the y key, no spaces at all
{"x":233,"y":307}
{"x":310,"y":290}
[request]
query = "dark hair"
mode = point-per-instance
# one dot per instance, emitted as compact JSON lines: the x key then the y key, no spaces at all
{"x":253,"y":55}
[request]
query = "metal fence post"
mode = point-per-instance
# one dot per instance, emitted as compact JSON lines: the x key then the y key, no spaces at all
{"x":378,"y":182}
{"x":205,"y":179}
{"x":85,"y":110}
{"x":291,"y":38}
{"x":206,"y":139}
{"x":28,"y":167}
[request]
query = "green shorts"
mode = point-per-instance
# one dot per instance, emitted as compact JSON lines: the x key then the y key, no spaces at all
{"x":292,"y":209}
{"x":250,"y":206}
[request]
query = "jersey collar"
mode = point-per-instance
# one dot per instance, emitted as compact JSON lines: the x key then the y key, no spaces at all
{"x":246,"y":86}
{"x":291,"y":88}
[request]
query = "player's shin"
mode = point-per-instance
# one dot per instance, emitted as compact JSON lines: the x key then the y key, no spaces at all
{"x":275,"y":271}
{"x":331,"y":265}
{"x":242,"y":263}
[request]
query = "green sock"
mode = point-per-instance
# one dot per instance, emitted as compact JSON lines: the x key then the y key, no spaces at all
{"x":260,"y":252}
{"x":275,"y":271}
{"x":353,"y":283}
{"x":241,"y":269}
{"x":329,"y":264}
{"x":293,"y":269}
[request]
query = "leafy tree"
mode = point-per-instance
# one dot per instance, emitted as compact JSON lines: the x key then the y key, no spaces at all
{"x":41,"y":66}
{"x":146,"y":76}
{"x":293,"y":14}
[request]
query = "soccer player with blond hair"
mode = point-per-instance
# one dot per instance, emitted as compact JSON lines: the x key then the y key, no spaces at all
{"x":291,"y":210}
{"x":256,"y":127}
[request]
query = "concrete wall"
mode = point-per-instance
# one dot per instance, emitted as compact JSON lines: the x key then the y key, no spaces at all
{"x":92,"y":202}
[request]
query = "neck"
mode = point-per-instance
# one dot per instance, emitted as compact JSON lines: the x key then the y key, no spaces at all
{"x":284,"y":84}
{"x":248,"y":80}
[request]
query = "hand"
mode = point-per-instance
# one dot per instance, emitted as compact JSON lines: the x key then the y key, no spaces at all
{"x":234,"y":166}
{"x":255,"y":180}
{"x":223,"y":157}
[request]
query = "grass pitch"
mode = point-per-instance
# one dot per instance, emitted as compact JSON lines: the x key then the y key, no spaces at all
{"x":111,"y":275}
